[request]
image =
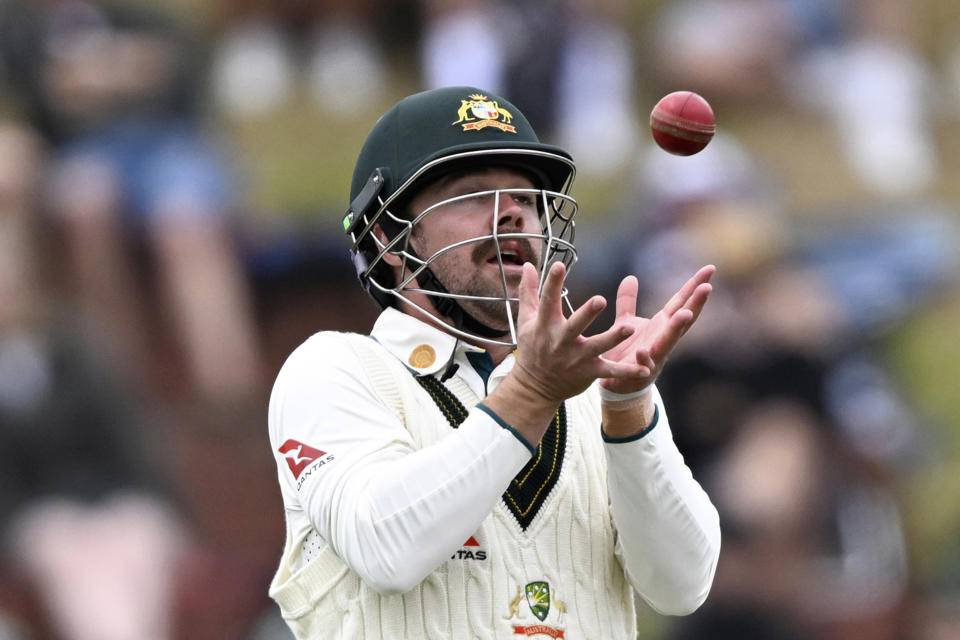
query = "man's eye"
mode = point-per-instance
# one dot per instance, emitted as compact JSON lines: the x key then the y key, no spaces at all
{"x":482,"y":198}
{"x":487,"y":198}
{"x":470,"y":198}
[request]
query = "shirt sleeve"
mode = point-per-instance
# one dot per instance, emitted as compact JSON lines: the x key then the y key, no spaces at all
{"x":393,"y":512}
{"x":669,"y":531}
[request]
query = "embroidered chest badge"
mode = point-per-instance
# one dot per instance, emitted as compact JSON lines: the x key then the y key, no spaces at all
{"x":537,"y":597}
{"x":478,"y":112}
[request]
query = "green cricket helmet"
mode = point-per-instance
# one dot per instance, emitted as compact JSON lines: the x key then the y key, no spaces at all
{"x":419,"y":140}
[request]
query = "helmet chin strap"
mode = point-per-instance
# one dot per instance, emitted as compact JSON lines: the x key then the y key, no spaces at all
{"x":452,"y":309}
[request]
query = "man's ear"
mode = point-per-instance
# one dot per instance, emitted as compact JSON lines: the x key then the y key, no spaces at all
{"x":388,"y":257}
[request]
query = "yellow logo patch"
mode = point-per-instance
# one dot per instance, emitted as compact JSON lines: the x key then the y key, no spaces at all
{"x":422,"y":357}
{"x":479,"y":113}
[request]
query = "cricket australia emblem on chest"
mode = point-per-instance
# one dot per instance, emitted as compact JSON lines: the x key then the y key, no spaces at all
{"x":536,"y":599}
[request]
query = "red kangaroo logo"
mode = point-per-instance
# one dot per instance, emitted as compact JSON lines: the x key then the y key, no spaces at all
{"x":299,"y":455}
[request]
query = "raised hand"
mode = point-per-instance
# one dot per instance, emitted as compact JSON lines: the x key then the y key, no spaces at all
{"x":555,"y":361}
{"x":554,"y":358}
{"x":652,"y":340}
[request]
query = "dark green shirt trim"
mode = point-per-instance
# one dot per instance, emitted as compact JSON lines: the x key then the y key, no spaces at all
{"x":500,"y":421}
{"x":482,"y":363}
{"x":529,"y":489}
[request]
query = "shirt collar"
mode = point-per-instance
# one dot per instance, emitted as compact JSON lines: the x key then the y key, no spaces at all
{"x":424,"y":348}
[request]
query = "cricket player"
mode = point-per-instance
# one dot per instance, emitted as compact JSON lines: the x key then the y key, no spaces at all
{"x":477,"y":467}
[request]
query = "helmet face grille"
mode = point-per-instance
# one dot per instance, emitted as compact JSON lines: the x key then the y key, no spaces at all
{"x":419,"y":140}
{"x":552,"y":242}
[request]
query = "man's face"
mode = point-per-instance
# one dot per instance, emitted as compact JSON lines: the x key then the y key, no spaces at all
{"x":474,"y":269}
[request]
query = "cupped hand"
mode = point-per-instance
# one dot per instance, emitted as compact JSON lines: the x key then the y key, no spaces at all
{"x":651,"y":340}
{"x":554,"y":358}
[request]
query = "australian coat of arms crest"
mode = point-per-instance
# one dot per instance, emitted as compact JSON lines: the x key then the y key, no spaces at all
{"x":479,"y":112}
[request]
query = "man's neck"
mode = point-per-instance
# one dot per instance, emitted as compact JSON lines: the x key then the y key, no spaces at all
{"x":498,"y":353}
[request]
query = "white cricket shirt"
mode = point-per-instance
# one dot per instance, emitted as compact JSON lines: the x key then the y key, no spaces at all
{"x":355,"y":478}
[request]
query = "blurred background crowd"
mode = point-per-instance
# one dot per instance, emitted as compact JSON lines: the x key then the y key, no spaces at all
{"x":171,"y":180}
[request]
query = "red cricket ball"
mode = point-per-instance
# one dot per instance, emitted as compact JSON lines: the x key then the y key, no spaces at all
{"x":682,"y":123}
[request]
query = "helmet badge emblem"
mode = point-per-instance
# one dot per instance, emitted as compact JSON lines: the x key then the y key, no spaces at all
{"x":479,"y":113}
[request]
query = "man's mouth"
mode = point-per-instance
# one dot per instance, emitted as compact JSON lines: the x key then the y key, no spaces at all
{"x":511,"y":254}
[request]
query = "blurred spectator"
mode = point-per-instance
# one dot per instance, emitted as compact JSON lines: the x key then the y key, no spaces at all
{"x":814,"y":545}
{"x":783,"y":402}
{"x":856,"y":61}
{"x":817,"y":296}
{"x":876,"y":262}
{"x":570,"y":65}
{"x":267,"y":49}
{"x":114,"y":91}
{"x":86,"y":525}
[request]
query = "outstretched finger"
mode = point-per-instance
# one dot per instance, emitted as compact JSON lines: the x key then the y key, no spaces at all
{"x":529,"y":300}
{"x":580,"y":319}
{"x":698,"y":299}
{"x":604,"y":342}
{"x":680,"y":322}
{"x":627,"y":297}
{"x":552,"y":292}
{"x":662,"y":344}
{"x":681,"y":297}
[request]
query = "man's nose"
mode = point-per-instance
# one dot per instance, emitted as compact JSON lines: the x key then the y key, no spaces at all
{"x":509,"y":211}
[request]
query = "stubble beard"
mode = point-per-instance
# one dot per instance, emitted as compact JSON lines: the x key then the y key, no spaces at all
{"x":452,"y":271}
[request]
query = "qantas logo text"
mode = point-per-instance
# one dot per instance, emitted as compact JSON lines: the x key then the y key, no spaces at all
{"x":299,"y":456}
{"x":468,"y":551}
